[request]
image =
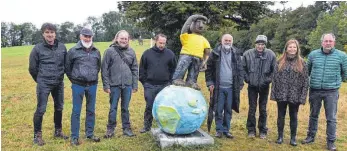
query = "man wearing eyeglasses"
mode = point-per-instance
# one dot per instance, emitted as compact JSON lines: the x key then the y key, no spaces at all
{"x":327,"y":68}
{"x":259,"y":64}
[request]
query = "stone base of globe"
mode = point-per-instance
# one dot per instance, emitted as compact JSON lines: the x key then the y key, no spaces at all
{"x":179,"y":110}
{"x":198,"y":137}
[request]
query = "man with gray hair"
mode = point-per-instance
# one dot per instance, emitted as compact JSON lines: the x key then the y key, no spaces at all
{"x":82,"y":67}
{"x":119,"y":74}
{"x":327,"y":68}
{"x":259,"y":64}
{"x":224,"y":78}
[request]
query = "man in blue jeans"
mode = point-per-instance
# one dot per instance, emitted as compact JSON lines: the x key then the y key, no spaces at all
{"x":224,"y":78}
{"x":327,"y":68}
{"x":46,"y":66}
{"x":119,"y":73}
{"x":157,"y":67}
{"x":82,"y":65}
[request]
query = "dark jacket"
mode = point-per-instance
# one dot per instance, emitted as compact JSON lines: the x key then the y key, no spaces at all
{"x":212,"y":74}
{"x":46,"y":62}
{"x":115,"y":72}
{"x":259,"y":69}
{"x":289,"y":85}
{"x":157,"y":66}
{"x":81,"y":66}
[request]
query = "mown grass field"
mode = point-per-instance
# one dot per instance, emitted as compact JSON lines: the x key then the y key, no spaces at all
{"x":19,"y":103}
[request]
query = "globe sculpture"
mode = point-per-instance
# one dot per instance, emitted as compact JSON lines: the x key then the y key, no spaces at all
{"x":179,"y":110}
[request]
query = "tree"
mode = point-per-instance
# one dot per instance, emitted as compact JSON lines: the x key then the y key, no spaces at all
{"x":5,"y":39}
{"x":168,"y":17}
{"x":96,"y":27}
{"x":335,"y":23}
{"x":66,"y":34}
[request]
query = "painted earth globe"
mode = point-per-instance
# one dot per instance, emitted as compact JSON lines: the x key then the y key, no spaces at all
{"x":179,"y":110}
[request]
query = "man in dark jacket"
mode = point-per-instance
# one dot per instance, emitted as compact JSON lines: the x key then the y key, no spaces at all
{"x":259,"y":64}
{"x":82,"y":67}
{"x":224,"y":78}
{"x":119,"y":73}
{"x":46,"y":66}
{"x":156,"y":69}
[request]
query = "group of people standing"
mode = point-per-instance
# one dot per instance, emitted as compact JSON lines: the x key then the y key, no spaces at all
{"x":227,"y":69}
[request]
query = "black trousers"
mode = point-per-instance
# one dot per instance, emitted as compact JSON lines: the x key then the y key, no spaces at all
{"x":253,"y":93}
{"x":42,"y":91}
{"x":150,"y":92}
{"x":293,"y":114}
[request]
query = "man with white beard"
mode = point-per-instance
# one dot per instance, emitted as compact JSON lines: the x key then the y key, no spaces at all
{"x":224,"y":78}
{"x":82,"y":66}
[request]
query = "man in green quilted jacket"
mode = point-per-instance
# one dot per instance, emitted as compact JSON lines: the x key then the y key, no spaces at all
{"x":327,"y":68}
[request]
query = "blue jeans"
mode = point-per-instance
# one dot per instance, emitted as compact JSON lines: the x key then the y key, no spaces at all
{"x":225,"y":100}
{"x":187,"y":62}
{"x":42,"y":91}
{"x":77,"y":99}
{"x":330,"y":99}
{"x":125,"y":94}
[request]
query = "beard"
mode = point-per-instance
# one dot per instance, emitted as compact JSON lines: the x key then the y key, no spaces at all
{"x":227,"y":47}
{"x":86,"y":44}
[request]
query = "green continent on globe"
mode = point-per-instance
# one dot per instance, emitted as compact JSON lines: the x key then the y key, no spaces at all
{"x":168,"y":118}
{"x":193,"y":103}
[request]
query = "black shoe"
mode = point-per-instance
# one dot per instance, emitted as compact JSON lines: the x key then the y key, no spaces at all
{"x":331,"y":146}
{"x":251,"y":135}
{"x":262,"y":135}
{"x":293,"y":142}
{"x":93,"y":138}
{"x":38,"y":139}
{"x":228,"y":135}
{"x":59,"y":134}
{"x":144,"y":130}
{"x":128,"y":132}
{"x":109,"y":133}
{"x":75,"y":142}
{"x":279,"y":140}
{"x":308,"y":140}
{"x":218,"y":135}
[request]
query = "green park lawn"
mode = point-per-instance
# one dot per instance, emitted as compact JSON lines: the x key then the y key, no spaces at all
{"x":18,"y":104}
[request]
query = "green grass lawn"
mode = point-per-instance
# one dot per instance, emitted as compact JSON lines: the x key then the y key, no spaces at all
{"x":19,"y":103}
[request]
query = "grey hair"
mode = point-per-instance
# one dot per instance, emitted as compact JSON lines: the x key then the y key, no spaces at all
{"x":322,"y":38}
{"x":232,"y":38}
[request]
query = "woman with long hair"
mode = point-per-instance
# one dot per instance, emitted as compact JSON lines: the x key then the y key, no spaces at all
{"x":289,"y":88}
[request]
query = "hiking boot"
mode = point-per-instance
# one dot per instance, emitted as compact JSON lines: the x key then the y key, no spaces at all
{"x":93,"y":138}
{"x":179,"y":82}
{"x":251,"y":135}
{"x":128,"y":132}
{"x":228,"y":135}
{"x":262,"y":136}
{"x":293,"y":141}
{"x":109,"y":133}
{"x":75,"y":142}
{"x":38,"y":139}
{"x":331,"y":146}
{"x":58,"y":133}
{"x":218,"y":134}
{"x":308,"y":140}
{"x":144,"y":130}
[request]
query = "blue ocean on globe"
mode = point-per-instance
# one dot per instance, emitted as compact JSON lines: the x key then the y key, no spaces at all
{"x":179,"y":110}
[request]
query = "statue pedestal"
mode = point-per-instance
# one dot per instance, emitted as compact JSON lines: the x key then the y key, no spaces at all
{"x":198,"y":137}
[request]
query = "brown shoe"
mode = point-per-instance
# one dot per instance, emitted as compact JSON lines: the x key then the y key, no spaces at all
{"x":59,"y":134}
{"x":38,"y":139}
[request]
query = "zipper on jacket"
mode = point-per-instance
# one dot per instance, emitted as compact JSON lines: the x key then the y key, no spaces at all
{"x":325,"y":60}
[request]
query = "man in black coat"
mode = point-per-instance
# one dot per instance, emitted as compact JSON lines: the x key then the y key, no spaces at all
{"x":46,"y":66}
{"x":224,"y":78}
{"x":157,"y":67}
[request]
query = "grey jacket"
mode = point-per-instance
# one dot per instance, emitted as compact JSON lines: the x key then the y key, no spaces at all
{"x":82,"y":67}
{"x":115,"y":72}
{"x":259,"y":69}
{"x":46,"y":62}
